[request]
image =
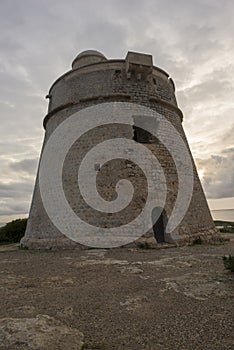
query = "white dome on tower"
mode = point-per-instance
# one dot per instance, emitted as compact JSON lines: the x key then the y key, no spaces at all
{"x":88,"y":57}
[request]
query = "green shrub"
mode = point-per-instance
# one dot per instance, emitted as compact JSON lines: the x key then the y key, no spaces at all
{"x":197,"y":241}
{"x":13,"y":231}
{"x":227,"y":229}
{"x":225,"y":226}
{"x":223,"y":223}
{"x":143,"y":245}
{"x":229,"y":262}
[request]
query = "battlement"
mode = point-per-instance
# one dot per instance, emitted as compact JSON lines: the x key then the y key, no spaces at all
{"x":94,"y":77}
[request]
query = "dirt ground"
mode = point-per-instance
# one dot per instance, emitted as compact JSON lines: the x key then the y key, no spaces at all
{"x":175,"y":298}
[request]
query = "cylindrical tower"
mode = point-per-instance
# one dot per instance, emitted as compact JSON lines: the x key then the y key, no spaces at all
{"x":95,"y":80}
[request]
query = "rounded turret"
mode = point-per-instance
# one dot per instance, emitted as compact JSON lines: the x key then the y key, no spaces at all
{"x":87,"y":57}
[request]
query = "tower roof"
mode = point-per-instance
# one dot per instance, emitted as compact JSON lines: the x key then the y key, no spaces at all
{"x":88,"y":57}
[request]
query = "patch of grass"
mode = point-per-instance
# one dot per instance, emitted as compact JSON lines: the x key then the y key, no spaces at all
{"x":21,"y":247}
{"x":143,"y":245}
{"x":228,"y":262}
{"x":227,"y":229}
{"x":197,"y":241}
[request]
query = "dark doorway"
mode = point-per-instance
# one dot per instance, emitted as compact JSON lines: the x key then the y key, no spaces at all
{"x":159,"y":225}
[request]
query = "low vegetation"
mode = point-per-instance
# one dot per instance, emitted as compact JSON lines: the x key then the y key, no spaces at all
{"x":229,"y":262}
{"x":13,"y":231}
{"x":197,"y":241}
{"x":143,"y":245}
{"x":225,"y":226}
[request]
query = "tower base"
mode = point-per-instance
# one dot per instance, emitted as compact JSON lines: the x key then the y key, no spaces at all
{"x":147,"y":241}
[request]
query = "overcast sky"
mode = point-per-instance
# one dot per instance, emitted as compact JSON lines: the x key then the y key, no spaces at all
{"x":192,"y":40}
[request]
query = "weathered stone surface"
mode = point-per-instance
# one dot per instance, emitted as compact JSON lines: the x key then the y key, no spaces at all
{"x":133,"y":303}
{"x":182,"y":299}
{"x":40,"y":333}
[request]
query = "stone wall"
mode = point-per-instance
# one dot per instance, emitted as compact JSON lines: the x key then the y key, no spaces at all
{"x":102,"y":82}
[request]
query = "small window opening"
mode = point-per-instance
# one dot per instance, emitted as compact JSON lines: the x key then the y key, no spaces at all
{"x":141,"y":136}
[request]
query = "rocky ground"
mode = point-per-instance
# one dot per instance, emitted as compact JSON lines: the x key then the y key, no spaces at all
{"x":175,"y":298}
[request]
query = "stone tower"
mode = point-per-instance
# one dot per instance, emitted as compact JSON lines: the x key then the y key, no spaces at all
{"x":93,"y":81}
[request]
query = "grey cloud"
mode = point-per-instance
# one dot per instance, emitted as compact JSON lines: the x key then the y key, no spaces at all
{"x":13,"y":209}
{"x":229,"y":139}
{"x":40,"y":39}
{"x":229,"y":151}
{"x":209,"y":90}
{"x":15,"y":199}
{"x":26,"y":166}
{"x":18,"y":149}
{"x":16,"y":190}
{"x":218,"y":179}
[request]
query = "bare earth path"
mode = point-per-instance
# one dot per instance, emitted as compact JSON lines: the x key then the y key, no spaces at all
{"x":177,"y":298}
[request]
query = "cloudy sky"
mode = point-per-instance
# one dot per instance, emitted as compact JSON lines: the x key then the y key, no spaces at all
{"x":192,"y":40}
